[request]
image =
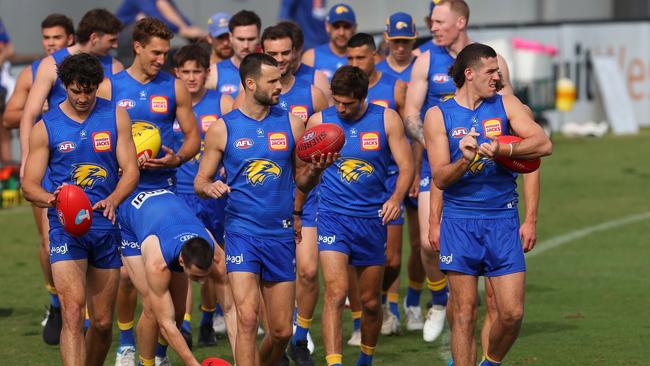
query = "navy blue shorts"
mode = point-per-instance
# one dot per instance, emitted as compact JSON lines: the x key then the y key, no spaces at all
{"x":211,"y":212}
{"x":99,"y":247}
{"x":273,"y":260}
{"x":481,"y":247}
{"x":362,"y":239}
{"x":309,"y":216}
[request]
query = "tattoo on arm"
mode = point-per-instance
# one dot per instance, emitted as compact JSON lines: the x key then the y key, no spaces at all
{"x":413,"y":128}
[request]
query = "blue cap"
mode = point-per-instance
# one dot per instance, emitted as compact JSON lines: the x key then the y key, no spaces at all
{"x":341,"y":13}
{"x":400,"y":26}
{"x":433,"y":5}
{"x":218,"y":24}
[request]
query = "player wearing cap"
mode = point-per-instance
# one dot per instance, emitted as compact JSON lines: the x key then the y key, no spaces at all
{"x":219,"y":37}
{"x":244,"y":29}
{"x":57,"y":32}
{"x":341,"y":24}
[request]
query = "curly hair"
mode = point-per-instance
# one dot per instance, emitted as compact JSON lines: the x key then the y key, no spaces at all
{"x":83,"y":69}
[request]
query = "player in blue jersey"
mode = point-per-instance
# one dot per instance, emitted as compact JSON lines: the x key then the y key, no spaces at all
{"x":400,"y":35}
{"x":192,"y":64}
{"x":300,"y":70}
{"x":256,"y":144}
{"x":389,"y":92}
{"x":153,"y":99}
{"x":174,"y":248}
{"x":57,"y":32}
{"x":341,"y":24}
{"x":219,"y":37}
{"x":479,"y":231}
{"x":83,"y":141}
{"x":301,"y":99}
{"x":97,"y":35}
{"x":353,"y":210}
{"x":245,"y":27}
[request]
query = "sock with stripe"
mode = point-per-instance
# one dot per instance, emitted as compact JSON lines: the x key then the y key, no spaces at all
{"x":219,"y":311}
{"x":413,"y":293}
{"x":365,"y":357}
{"x":438,"y":291}
{"x":86,"y":320}
{"x":356,"y":320}
{"x":54,"y":296}
{"x":334,"y":359}
{"x":187,"y":323}
{"x":302,"y":328}
{"x":126,"y":333}
{"x":147,"y":362}
{"x":161,"y":348}
{"x":487,"y":361}
{"x":207,"y":315}
{"x":393,"y":303}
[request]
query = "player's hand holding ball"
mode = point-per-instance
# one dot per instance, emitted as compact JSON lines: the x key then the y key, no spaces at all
{"x":468,"y":145}
{"x":170,"y":160}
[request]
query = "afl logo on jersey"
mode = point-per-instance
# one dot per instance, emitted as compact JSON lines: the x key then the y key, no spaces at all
{"x":370,"y":141}
{"x":380,"y":102}
{"x":300,"y":111}
{"x":228,"y":89}
{"x":126,"y":103}
{"x":492,"y":127}
{"x":278,"y":141}
{"x":66,"y":146}
{"x":440,"y":78}
{"x":102,"y":141}
{"x":244,"y":143}
{"x":207,"y":120}
{"x":459,"y":132}
{"x":159,"y":104}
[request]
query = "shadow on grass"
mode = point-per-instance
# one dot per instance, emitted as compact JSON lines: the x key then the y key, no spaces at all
{"x":540,"y":327}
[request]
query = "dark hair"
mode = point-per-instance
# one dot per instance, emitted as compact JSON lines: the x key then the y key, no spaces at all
{"x":251,"y":65}
{"x":276,"y":32}
{"x":83,"y":69}
{"x":350,"y":81}
{"x":198,"y":252}
{"x":243,"y":18}
{"x":469,"y":57}
{"x":58,"y":20}
{"x":192,"y":52}
{"x":362,"y":39}
{"x":149,"y":27}
{"x":459,"y":7}
{"x":100,"y":21}
{"x":297,"y":37}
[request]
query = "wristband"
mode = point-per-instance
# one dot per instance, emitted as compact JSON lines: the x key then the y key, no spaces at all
{"x":297,"y":212}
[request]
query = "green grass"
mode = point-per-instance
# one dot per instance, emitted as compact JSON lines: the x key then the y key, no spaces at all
{"x":587,"y":301}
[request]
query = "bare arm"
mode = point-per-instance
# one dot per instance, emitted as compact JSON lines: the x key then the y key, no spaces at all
{"x":158,"y":279}
{"x":321,"y":82}
{"x":39,"y":153}
{"x":528,"y":230}
{"x":417,"y":150}
{"x":226,"y":103}
{"x":16,"y":104}
{"x":45,"y":78}
{"x":318,"y":99}
{"x":308,"y":57}
{"x":402,"y":155}
{"x":535,"y":143}
{"x":400,"y":97}
{"x":415,"y":97}
{"x":116,"y":67}
{"x":126,"y":158}
{"x":214,"y":147}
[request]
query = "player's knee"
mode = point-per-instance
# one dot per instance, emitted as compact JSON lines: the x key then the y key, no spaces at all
{"x":335,"y":295}
{"x":393,"y":264}
{"x":247,"y":322}
{"x":511,"y":317}
{"x":102,"y":324}
{"x":281,"y":334}
{"x":308,"y":274}
{"x":73,"y":315}
{"x":371,"y":303}
{"x":464,"y":316}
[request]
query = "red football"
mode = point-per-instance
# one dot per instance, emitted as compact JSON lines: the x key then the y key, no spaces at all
{"x":516,"y":165}
{"x":214,"y":361}
{"x":322,"y":139}
{"x":74,"y":210}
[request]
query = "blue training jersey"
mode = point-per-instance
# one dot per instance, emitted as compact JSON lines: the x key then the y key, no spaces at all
{"x":305,"y":73}
{"x":327,"y":61}
{"x":427,"y":46}
{"x":207,"y":111}
{"x":165,"y":215}
{"x":83,"y":154}
{"x":298,"y":100}
{"x":383,"y":94}
{"x":57,"y":93}
{"x":404,"y":75}
{"x":228,"y":81}
{"x":154,"y":105}
{"x":258,"y":158}
{"x":355,"y":185}
{"x":486,"y":190}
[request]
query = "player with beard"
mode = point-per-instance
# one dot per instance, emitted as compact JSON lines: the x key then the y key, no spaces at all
{"x":256,"y":144}
{"x":219,"y":37}
{"x":244,"y":29}
{"x":341,"y":24}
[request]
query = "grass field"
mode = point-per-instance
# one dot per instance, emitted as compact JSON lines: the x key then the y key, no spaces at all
{"x":588,"y":292}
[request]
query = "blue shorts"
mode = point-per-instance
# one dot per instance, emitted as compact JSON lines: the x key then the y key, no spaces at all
{"x":129,"y":246}
{"x":273,"y":260}
{"x":481,"y":247}
{"x":391,"y":183}
{"x":98,"y":246}
{"x":362,"y":239}
{"x":310,"y":209}
{"x":211,"y":212}
{"x":425,"y":183}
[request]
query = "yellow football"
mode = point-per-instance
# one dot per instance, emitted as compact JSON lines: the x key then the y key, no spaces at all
{"x":146,"y":137}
